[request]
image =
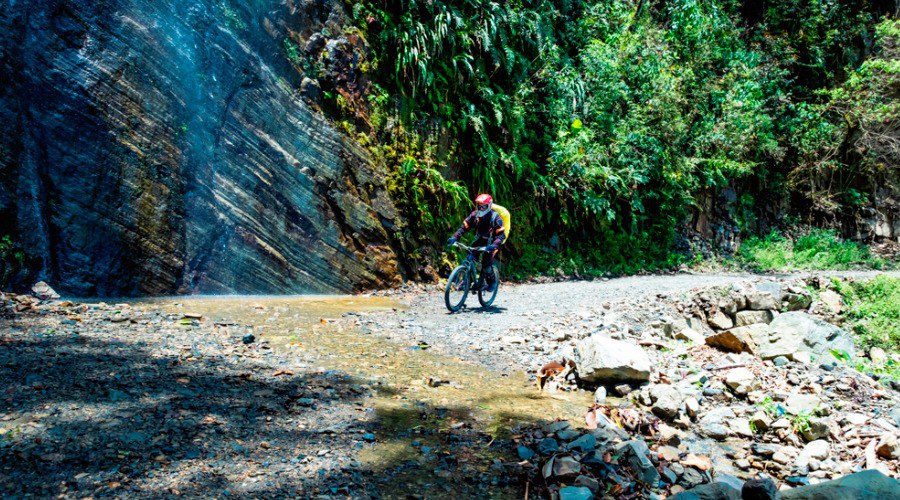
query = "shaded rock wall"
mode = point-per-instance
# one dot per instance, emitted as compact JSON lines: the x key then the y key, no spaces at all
{"x":160,"y":146}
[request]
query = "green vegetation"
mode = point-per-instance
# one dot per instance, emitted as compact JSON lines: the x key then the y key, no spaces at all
{"x":604,"y":126}
{"x":814,"y":249}
{"x":12,"y":258}
{"x":873,"y":311}
{"x":234,"y":19}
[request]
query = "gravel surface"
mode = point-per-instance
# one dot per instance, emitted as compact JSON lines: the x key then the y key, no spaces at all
{"x":538,"y":312}
{"x":135,"y":400}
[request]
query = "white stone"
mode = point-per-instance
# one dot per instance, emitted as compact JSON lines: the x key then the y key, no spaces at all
{"x":602,"y":359}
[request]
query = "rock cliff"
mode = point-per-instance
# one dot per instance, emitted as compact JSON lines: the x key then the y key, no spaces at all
{"x":156,"y":147}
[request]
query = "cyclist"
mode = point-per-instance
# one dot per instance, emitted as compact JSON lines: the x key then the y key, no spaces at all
{"x":488,"y":226}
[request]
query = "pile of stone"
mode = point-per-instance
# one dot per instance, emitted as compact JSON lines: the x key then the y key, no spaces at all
{"x":752,"y":379}
{"x":572,"y":464}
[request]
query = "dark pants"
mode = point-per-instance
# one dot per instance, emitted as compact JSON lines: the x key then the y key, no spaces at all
{"x":487,"y":259}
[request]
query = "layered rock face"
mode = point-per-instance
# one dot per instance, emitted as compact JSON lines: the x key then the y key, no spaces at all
{"x":155,"y":147}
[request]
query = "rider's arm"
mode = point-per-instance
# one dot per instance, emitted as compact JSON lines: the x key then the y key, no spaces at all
{"x":466,"y":225}
{"x":499,"y":231}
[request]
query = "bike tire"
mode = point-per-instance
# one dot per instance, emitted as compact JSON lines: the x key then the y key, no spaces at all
{"x":457,"y":282}
{"x":487,"y":299}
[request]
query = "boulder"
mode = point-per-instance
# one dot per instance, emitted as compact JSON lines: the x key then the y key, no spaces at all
{"x":741,"y":380}
{"x":691,"y":335}
{"x":814,"y":450}
{"x":832,"y":301}
{"x":744,"y":318}
{"x":720,"y":320}
{"x":773,"y":288}
{"x":728,"y":305}
{"x":601,"y":359}
{"x":666,"y":401}
{"x":759,"y":301}
{"x":794,"y":332}
{"x":713,"y":424}
{"x":43,"y":291}
{"x":740,"y":339}
{"x":866,"y":485}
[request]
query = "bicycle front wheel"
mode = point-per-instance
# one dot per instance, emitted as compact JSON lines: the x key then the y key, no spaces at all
{"x":487,"y":298}
{"x":457,"y":289}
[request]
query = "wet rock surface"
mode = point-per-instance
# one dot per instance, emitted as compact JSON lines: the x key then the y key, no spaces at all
{"x":161,"y":147}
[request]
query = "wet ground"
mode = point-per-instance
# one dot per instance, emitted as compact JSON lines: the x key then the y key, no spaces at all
{"x":164,"y":397}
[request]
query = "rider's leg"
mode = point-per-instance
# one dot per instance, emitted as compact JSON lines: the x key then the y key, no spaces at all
{"x":487,"y":262}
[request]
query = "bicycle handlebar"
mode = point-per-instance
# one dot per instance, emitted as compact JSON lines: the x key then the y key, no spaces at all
{"x":468,"y":248}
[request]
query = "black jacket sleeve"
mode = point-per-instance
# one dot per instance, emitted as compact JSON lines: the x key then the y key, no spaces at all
{"x":466,"y":225}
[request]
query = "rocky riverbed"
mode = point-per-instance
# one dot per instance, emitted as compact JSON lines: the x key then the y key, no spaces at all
{"x":713,"y":381}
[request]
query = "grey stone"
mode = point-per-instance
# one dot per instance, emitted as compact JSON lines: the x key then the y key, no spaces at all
{"x":711,"y":491}
{"x":567,"y":434}
{"x":780,"y":361}
{"x":866,"y":485}
{"x":714,"y":423}
{"x":562,"y":468}
{"x":759,"y":301}
{"x":589,"y":483}
{"x":576,"y":493}
{"x":600,"y":395}
{"x":720,"y":321}
{"x":773,"y":288}
{"x":739,"y":339}
{"x":666,"y":400}
{"x":690,"y":335}
{"x":832,"y":301}
{"x":585,"y":443}
{"x":794,"y":332}
{"x":728,"y":305}
{"x":635,"y":454}
{"x":744,"y":318}
{"x":555,"y":427}
{"x":547,"y":446}
{"x":760,"y":489}
{"x":741,"y":380}
{"x":525,"y":453}
{"x":691,"y":477}
{"x":817,"y":429}
{"x":602,"y":359}
{"x":43,"y":291}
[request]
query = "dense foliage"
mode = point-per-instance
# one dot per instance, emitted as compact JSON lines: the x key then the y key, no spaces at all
{"x":874,"y":311}
{"x":602,"y":124}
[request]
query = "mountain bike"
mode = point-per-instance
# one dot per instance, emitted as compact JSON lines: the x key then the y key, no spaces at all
{"x":465,"y":278}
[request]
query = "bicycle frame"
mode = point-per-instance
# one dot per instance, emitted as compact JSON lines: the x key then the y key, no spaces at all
{"x":471,"y":262}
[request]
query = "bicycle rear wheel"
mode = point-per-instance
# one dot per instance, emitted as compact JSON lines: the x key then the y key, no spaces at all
{"x":457,"y":289}
{"x":485,"y":298}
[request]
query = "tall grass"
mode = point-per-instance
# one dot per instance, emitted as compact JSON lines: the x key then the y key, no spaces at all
{"x":814,"y":249}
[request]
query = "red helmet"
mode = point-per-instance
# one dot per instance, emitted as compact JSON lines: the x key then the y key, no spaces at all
{"x":484,"y":199}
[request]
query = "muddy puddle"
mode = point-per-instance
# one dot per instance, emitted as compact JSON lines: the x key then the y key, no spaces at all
{"x":420,"y":396}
